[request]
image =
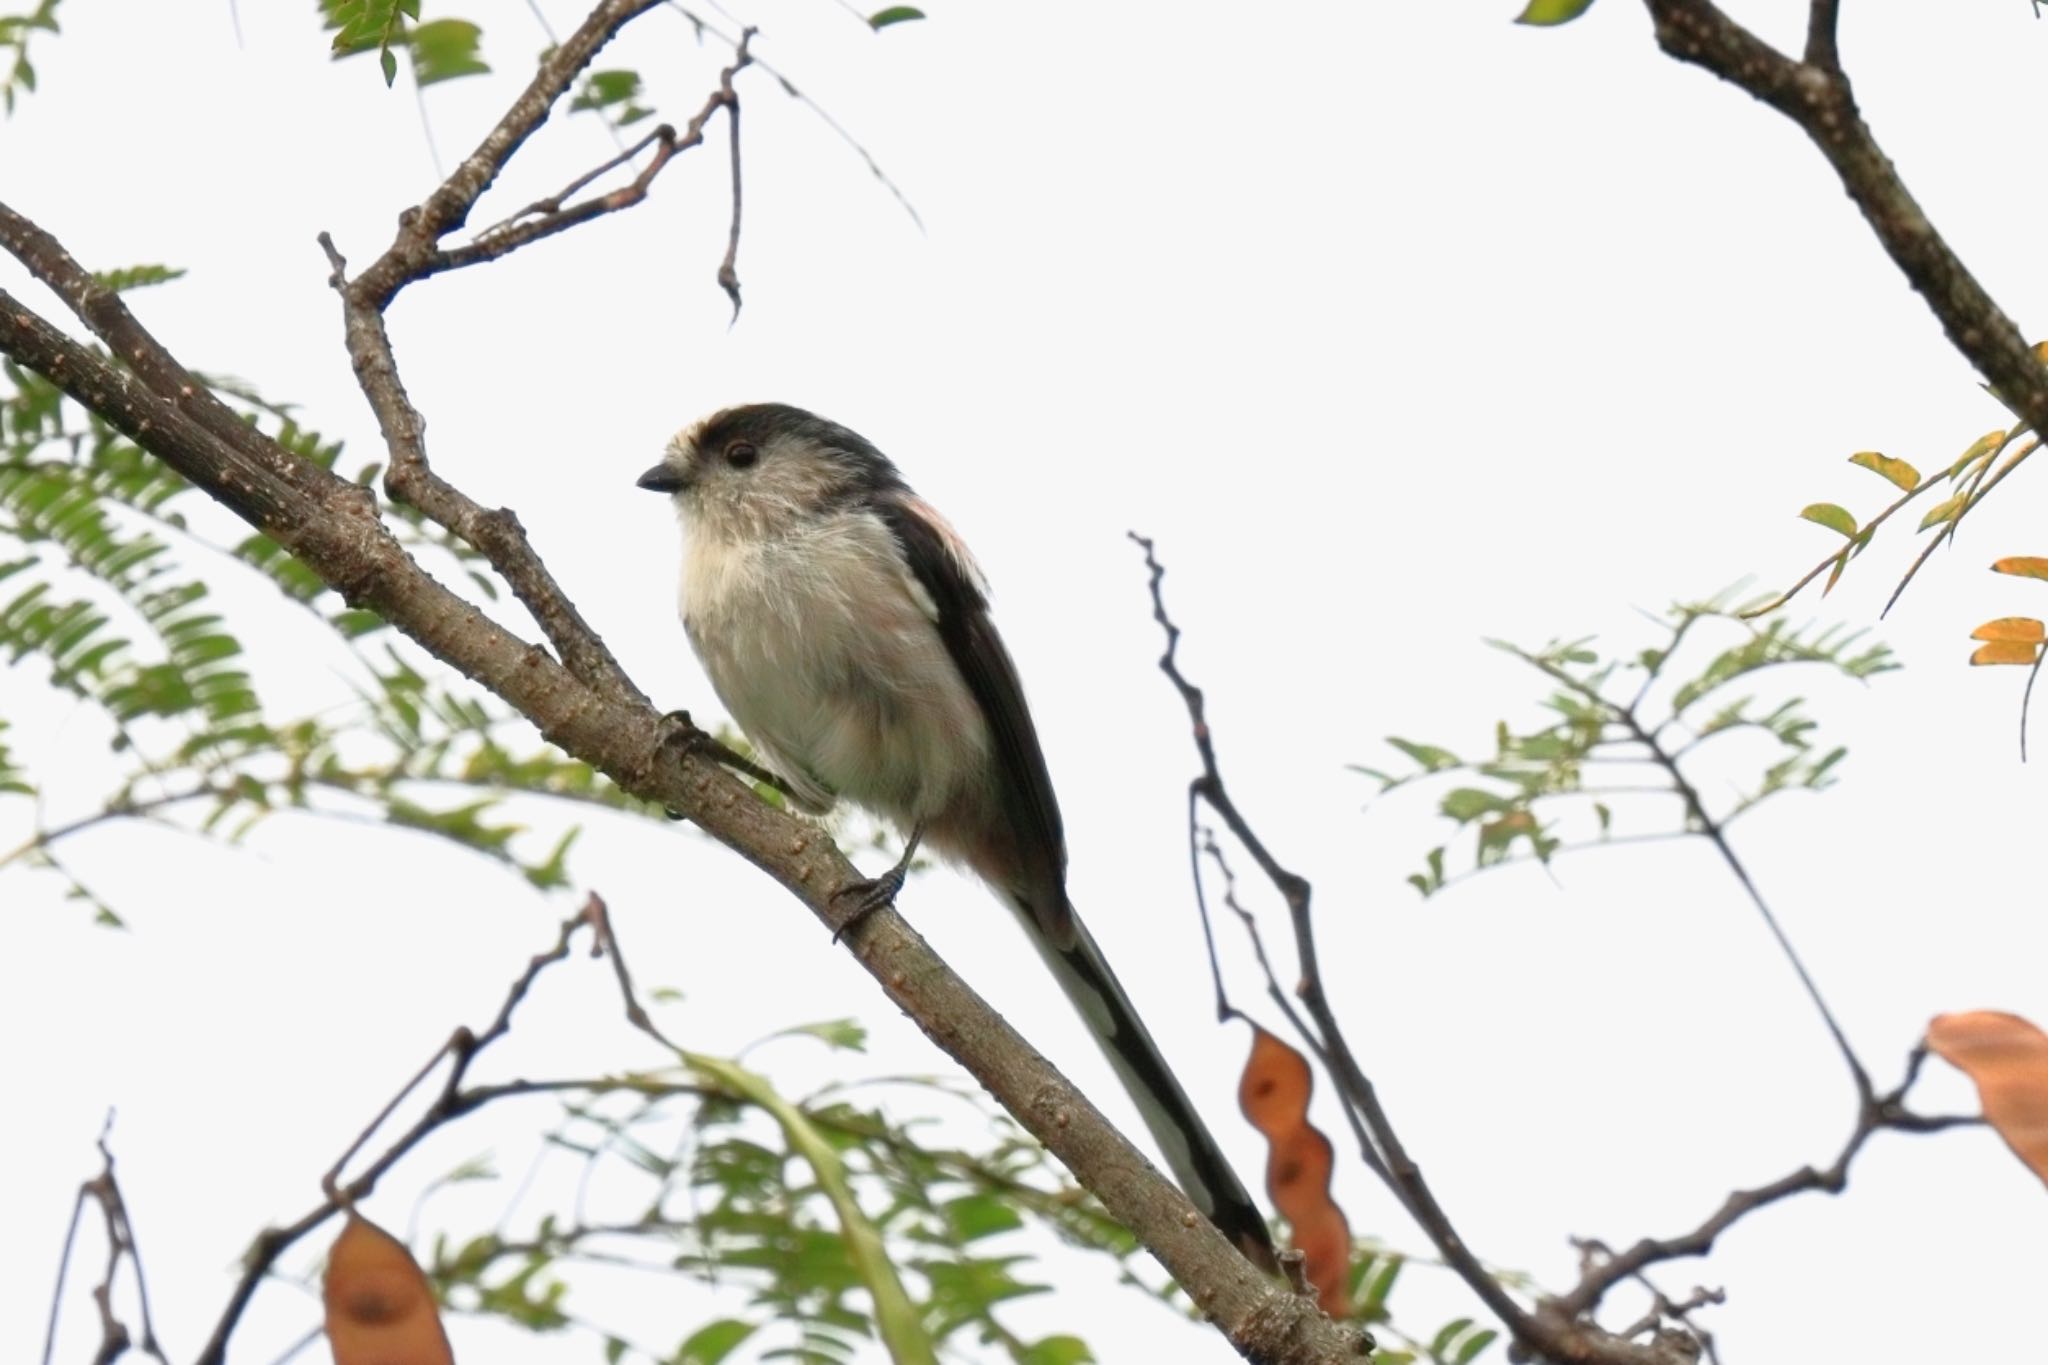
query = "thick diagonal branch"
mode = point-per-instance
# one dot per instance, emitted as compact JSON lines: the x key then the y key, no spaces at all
{"x":1816,"y":95}
{"x":332,"y":526}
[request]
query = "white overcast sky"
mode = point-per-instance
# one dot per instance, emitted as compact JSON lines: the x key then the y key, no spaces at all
{"x":1397,"y":325}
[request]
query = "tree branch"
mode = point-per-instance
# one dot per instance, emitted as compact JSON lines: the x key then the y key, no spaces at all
{"x":1552,"y":1336}
{"x":116,"y":1341}
{"x":1887,"y":1111}
{"x":1822,"y":18}
{"x":332,"y":526}
{"x":420,"y":229}
{"x":546,"y":217}
{"x":461,"y":1051}
{"x":1816,"y":96}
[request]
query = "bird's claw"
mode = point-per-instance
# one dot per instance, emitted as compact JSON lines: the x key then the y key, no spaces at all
{"x":864,"y":898}
{"x":872,"y":893}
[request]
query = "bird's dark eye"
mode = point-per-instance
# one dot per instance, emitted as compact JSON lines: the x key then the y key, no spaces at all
{"x":740,"y":454}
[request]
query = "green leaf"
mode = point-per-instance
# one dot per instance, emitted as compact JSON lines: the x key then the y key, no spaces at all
{"x":1448,"y":1333}
{"x":601,"y":88}
{"x":137,"y":276}
{"x":974,"y":1216}
{"x":895,"y":14}
{"x":1902,"y":475}
{"x":1472,"y":1345}
{"x":1431,"y":758}
{"x":389,"y":61}
{"x":444,"y":50}
{"x":713,"y":1342}
{"x":1829,"y":515}
{"x":1429,"y":882}
{"x":1056,"y":1350}
{"x":845,"y":1034}
{"x":1548,"y":13}
{"x":1376,"y":1282}
{"x":1469,"y":803}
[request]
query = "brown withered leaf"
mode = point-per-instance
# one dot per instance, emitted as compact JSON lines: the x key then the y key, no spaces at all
{"x":1274,"y":1095}
{"x":2008,"y":1059}
{"x":380,"y":1308}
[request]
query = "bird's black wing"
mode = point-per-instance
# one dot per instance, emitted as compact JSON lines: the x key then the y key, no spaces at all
{"x":942,"y":568}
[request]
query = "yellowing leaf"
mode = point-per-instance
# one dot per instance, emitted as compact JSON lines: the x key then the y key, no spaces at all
{"x":2008,"y":1059}
{"x":1943,"y":510}
{"x":1835,"y":518}
{"x":1835,"y":574}
{"x":2041,"y":351}
{"x":2019,"y":629}
{"x":380,"y":1309}
{"x":2022,"y":566}
{"x":1549,"y":12}
{"x":2004,"y":652}
{"x":1979,"y":449}
{"x":1898,"y":471}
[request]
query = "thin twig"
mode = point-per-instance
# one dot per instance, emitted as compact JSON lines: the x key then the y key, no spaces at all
{"x":728,"y":269}
{"x":1718,"y":837}
{"x":1880,"y":1112}
{"x":104,"y":1190}
{"x":1822,"y":18}
{"x":547,"y":217}
{"x":1714,"y":831}
{"x":1547,"y":1335}
{"x":460,"y":1051}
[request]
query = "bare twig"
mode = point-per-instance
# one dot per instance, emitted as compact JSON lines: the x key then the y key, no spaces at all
{"x":1888,"y":1111}
{"x":1822,"y":19}
{"x":1715,"y":833}
{"x":1718,"y":837}
{"x":116,"y":1340}
{"x":728,"y":269}
{"x":452,"y":1102}
{"x":1548,"y":1335}
{"x":416,"y":253}
{"x":547,"y":217}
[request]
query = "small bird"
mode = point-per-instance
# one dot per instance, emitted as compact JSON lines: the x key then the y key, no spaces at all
{"x":846,"y":628}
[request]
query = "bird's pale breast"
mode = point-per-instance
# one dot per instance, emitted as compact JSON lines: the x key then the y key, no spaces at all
{"x":822,"y":646}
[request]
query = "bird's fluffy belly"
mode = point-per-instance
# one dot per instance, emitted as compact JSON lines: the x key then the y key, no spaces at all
{"x":825,"y":652}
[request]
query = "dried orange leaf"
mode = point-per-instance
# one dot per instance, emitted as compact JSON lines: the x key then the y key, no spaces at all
{"x":380,"y":1308}
{"x":1826,"y":514}
{"x":2008,"y":1059}
{"x":2005,"y":652}
{"x":1898,"y":471}
{"x":1274,"y":1096}
{"x":2023,"y":629}
{"x":2024,"y":566}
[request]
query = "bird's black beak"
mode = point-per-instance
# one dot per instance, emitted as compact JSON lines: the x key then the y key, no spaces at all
{"x":663,"y":478}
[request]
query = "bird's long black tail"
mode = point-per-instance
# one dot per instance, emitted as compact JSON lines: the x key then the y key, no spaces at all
{"x":1197,"y":1162}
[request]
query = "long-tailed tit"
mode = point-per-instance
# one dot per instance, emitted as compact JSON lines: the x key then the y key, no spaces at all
{"x":845,"y":626}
